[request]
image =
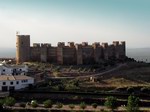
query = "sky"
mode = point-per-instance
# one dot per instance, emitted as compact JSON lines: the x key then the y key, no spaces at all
{"x":53,"y":21}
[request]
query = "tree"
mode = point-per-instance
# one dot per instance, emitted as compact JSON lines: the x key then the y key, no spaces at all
{"x":59,"y":105}
{"x":132,"y":105}
{"x":34,"y":103}
{"x":82,"y":105}
{"x":111,"y":102}
{"x":47,"y":104}
{"x":1,"y":103}
{"x":9,"y":101}
{"x":94,"y":105}
{"x":71,"y":106}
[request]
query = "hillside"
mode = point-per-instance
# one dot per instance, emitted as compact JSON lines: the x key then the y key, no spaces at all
{"x":133,"y":74}
{"x":141,"y":54}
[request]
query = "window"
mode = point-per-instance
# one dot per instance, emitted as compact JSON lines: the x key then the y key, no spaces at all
{"x":20,"y":69}
{"x":23,"y":81}
{"x":4,"y":83}
{"x":3,"y":70}
{"x":11,"y":83}
{"x":17,"y":82}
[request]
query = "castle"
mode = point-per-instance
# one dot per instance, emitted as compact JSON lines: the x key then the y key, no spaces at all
{"x":68,"y":54}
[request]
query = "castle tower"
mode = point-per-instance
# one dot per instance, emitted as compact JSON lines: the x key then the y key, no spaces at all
{"x":23,"y":48}
{"x":44,"y":48}
{"x":60,"y":47}
{"x":97,"y":52}
{"x":123,"y":47}
{"x":79,"y":54}
{"x":105,"y":50}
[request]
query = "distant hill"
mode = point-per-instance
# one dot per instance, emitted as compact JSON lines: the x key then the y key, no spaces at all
{"x":141,"y":54}
{"x":7,"y":52}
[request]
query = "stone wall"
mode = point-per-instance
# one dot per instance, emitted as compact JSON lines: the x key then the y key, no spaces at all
{"x":68,"y":54}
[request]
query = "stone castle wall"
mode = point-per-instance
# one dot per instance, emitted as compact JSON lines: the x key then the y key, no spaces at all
{"x":68,"y":54}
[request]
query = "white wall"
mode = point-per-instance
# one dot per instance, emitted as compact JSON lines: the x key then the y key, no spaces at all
{"x":7,"y":70}
{"x":17,"y":86}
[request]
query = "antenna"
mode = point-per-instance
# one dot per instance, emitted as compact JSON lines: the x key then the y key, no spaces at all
{"x":17,"y":32}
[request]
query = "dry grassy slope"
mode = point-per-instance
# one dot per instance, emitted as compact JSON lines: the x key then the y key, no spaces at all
{"x":133,"y":74}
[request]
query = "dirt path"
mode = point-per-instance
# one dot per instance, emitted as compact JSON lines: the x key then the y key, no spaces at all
{"x":76,"y":108}
{"x":105,"y":72}
{"x":93,"y":75}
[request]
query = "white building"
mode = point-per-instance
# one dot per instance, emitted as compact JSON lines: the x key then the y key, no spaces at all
{"x":15,"y":82}
{"x":12,"y":77}
{"x":13,"y":69}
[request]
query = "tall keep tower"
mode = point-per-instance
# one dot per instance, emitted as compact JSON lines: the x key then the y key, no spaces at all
{"x":23,"y":48}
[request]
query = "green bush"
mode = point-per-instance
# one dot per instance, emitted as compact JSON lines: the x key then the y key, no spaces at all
{"x":132,"y":105}
{"x":71,"y":106}
{"x":34,"y":103}
{"x":47,"y":104}
{"x":70,"y":87}
{"x":94,"y":105}
{"x":1,"y":102}
{"x":9,"y":101}
{"x":111,"y":102}
{"x":59,"y":105}
{"x":82,"y":105}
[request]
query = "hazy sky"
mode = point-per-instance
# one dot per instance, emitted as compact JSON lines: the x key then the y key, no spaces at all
{"x":52,"y":21}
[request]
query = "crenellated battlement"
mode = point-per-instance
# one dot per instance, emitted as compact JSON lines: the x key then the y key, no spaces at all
{"x":36,"y":45}
{"x":83,"y":44}
{"x":61,"y":44}
{"x":115,"y":43}
{"x":71,"y":53}
{"x":71,"y":44}
{"x":96,"y":44}
{"x":105,"y":45}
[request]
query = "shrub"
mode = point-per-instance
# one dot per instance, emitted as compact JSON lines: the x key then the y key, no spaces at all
{"x":1,"y":103}
{"x":70,"y":87}
{"x":82,"y":105}
{"x":132,"y":105}
{"x":59,"y":105}
{"x":34,"y":103}
{"x":111,"y":102}
{"x":94,"y":105}
{"x":9,"y":101}
{"x":47,"y":104}
{"x":71,"y":106}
